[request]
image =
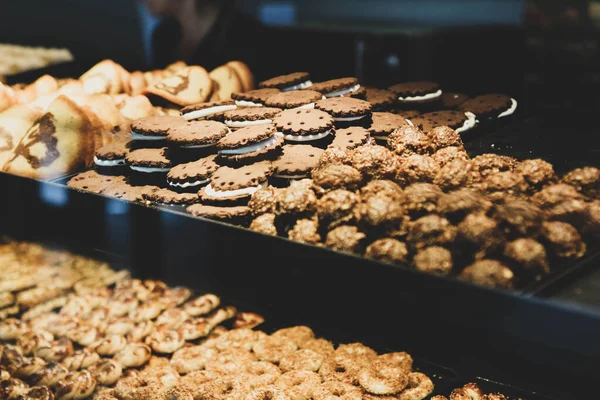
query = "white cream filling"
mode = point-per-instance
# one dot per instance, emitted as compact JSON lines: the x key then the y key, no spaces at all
{"x":291,"y":176}
{"x":250,"y":148}
{"x":208,"y":111}
{"x":137,"y":136}
{"x":511,"y":110}
{"x":242,"y":124}
{"x":305,"y":107}
{"x":246,"y":103}
{"x":198,"y":146}
{"x":349,"y":118}
{"x":108,"y":163}
{"x":343,"y":92}
{"x":428,"y":96}
{"x":306,"y":138}
{"x":299,"y":86}
{"x":231,"y":193}
{"x":469,"y":123}
{"x":149,"y":169}
{"x":410,"y":122}
{"x":188,"y":184}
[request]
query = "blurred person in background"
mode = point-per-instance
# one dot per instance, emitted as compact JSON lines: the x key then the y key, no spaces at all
{"x":203,"y":32}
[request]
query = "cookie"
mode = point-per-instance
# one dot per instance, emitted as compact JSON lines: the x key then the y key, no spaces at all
{"x":166,"y":196}
{"x":490,"y":106}
{"x":127,"y":192}
{"x":297,"y":161}
{"x":245,"y":117}
{"x":381,"y":100}
{"x":244,"y":73}
{"x":190,"y":85}
{"x":408,"y":114}
{"x":361,"y":93}
{"x":203,"y":110}
{"x":249,"y":142}
{"x":233,"y":185}
{"x":155,"y":127}
{"x":254,"y":98}
{"x":149,"y":160}
{"x":457,"y":120}
{"x":304,"y":125}
{"x":192,"y":174}
{"x":345,"y":109}
{"x":230,"y":214}
{"x":416,"y":92}
{"x":294,"y":81}
{"x":350,"y":138}
{"x":337,"y":87}
{"x":225,"y":82}
{"x":385,"y":123}
{"x":92,"y":181}
{"x":197,"y":134}
{"x":453,"y":100}
{"x":112,"y":155}
{"x":294,"y":99}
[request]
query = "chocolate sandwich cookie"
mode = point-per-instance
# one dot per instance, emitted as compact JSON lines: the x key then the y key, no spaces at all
{"x":361,"y":93}
{"x":408,"y":114}
{"x":337,"y":87}
{"x":297,"y":161}
{"x":346,"y":111}
{"x":235,"y":214}
{"x":424,"y":124}
{"x":235,"y":185}
{"x":197,"y":134}
{"x":294,"y":99}
{"x":166,"y":196}
{"x":149,"y":160}
{"x":453,"y":100}
{"x":304,"y":125}
{"x":460,"y":121}
{"x":254,"y":98}
{"x":92,"y":181}
{"x":351,"y":138}
{"x":250,"y":144}
{"x":112,"y":154}
{"x":413,"y":93}
{"x":490,"y":106}
{"x":381,"y":100}
{"x":127,"y":192}
{"x":244,"y":117}
{"x":193,"y":174}
{"x":294,"y":81}
{"x":155,"y":127}
{"x":204,"y":110}
{"x":384,"y":123}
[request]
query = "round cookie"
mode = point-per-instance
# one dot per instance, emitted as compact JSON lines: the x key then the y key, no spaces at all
{"x":112,"y":154}
{"x":125,"y":191}
{"x":381,"y":100}
{"x":350,"y":138}
{"x":346,"y":111}
{"x":408,"y":114}
{"x":245,"y":117}
{"x":293,"y":81}
{"x":490,"y":106}
{"x":203,"y":110}
{"x":294,"y":99}
{"x":384,"y":123}
{"x":416,"y":92}
{"x":228,"y":214}
{"x":192,"y":174}
{"x":304,"y":125}
{"x":244,"y":73}
{"x":249,"y":143}
{"x":197,"y":134}
{"x":337,"y":87}
{"x":297,"y":161}
{"x":424,"y":124}
{"x":458,"y":120}
{"x":225,"y":82}
{"x":154,"y":127}
{"x":254,"y":98}
{"x":234,"y":185}
{"x":453,"y":100}
{"x":92,"y":181}
{"x":166,"y":196}
{"x":361,"y":93}
{"x":149,"y":160}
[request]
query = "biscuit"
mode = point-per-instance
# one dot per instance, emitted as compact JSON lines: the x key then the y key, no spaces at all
{"x":204,"y":110}
{"x":297,"y":161}
{"x":154,"y":127}
{"x":350,"y":138}
{"x":225,"y":82}
{"x":244,"y":74}
{"x":490,"y":106}
{"x":149,"y":160}
{"x":188,"y":86}
{"x":112,"y":154}
{"x":381,"y":100}
{"x":416,"y":92}
{"x":192,"y":174}
{"x":245,"y":117}
{"x":197,"y":134}
{"x":293,"y":81}
{"x":337,"y":87}
{"x":298,"y":125}
{"x":254,"y":98}
{"x":234,"y":185}
{"x":294,"y":99}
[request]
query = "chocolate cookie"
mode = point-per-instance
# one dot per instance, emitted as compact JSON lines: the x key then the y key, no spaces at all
{"x":197,"y":134}
{"x":297,"y":161}
{"x":149,"y":160}
{"x":361,"y":93}
{"x":417,"y":92}
{"x":381,"y":100}
{"x":408,"y":114}
{"x":351,"y":138}
{"x":294,"y":81}
{"x":337,"y":87}
{"x":458,"y":120}
{"x":203,"y":110}
{"x":155,"y":127}
{"x":230,"y":214}
{"x":244,"y":117}
{"x":192,"y":174}
{"x":254,"y":98}
{"x":304,"y":125}
{"x":346,"y":110}
{"x":166,"y":196}
{"x":92,"y":181}
{"x":453,"y":100}
{"x":124,"y":191}
{"x":294,"y":99}
{"x":112,"y":154}
{"x":384,"y":123}
{"x":249,"y":143}
{"x":490,"y":106}
{"x":232,"y":185}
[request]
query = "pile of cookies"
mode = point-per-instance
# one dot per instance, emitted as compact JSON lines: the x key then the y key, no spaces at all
{"x":117,"y":338}
{"x":471,"y":391}
{"x":15,"y":59}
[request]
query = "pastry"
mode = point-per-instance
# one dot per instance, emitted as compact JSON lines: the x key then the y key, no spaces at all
{"x":225,"y":82}
{"x":244,"y":73}
{"x":188,"y":86}
{"x":14,"y":123}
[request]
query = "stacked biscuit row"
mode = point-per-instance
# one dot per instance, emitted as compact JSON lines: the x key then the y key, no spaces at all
{"x":119,"y":338}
